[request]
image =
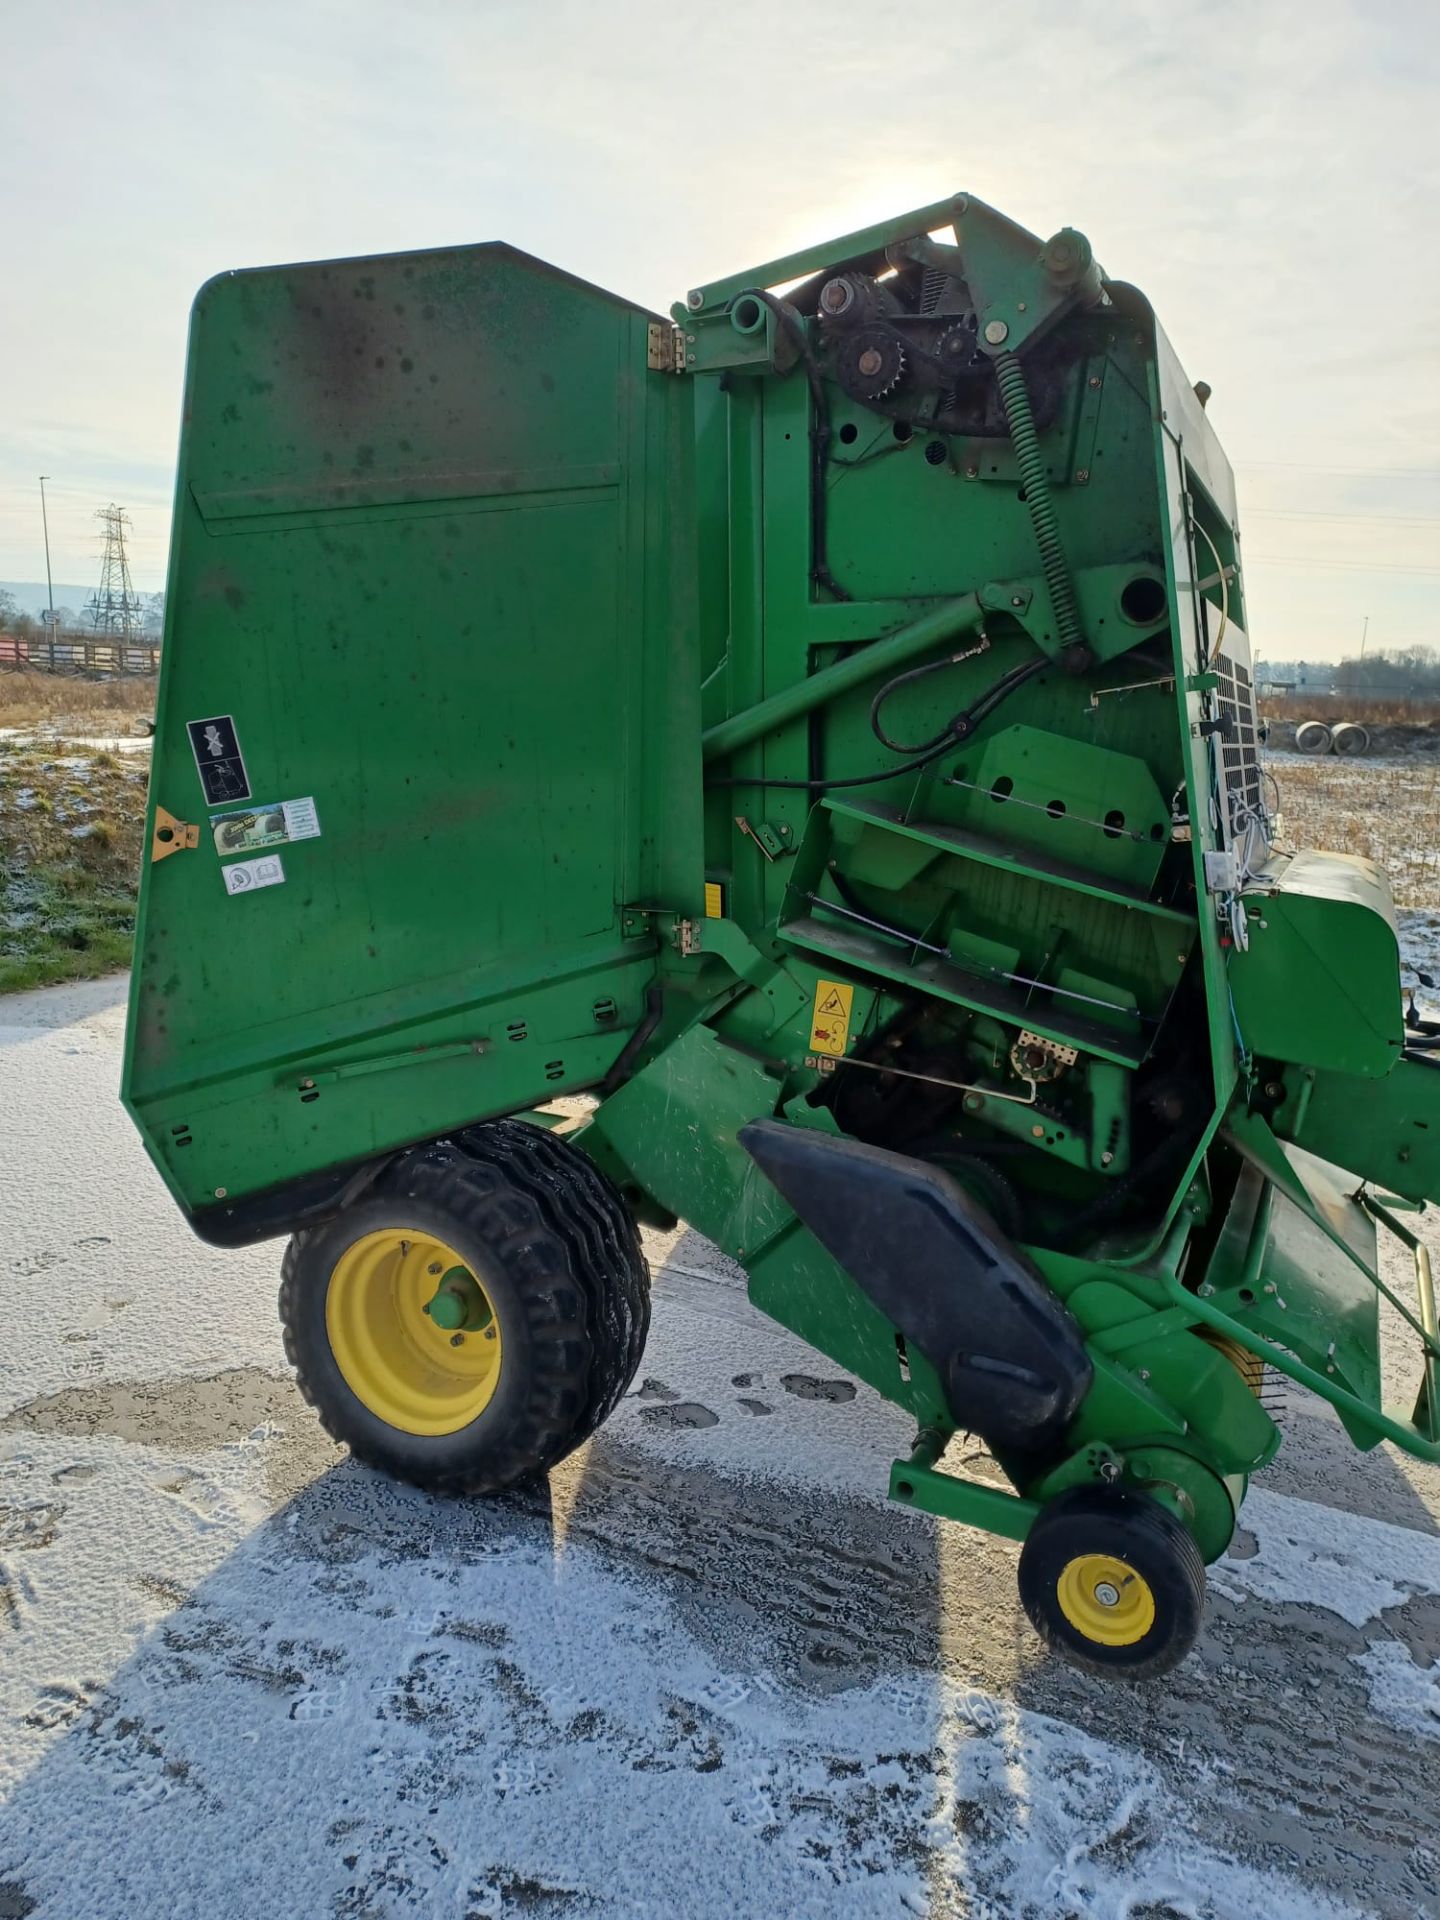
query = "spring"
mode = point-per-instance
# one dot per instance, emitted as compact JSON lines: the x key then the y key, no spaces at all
{"x":1015,"y":396}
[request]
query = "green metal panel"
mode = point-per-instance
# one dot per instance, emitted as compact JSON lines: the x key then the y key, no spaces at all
{"x":1387,"y":1130}
{"x":1318,"y":982}
{"x":434,"y":558}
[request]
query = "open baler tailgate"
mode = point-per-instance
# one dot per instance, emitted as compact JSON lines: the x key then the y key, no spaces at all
{"x":426,"y":714}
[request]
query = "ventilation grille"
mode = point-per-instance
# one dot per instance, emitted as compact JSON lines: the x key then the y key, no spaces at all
{"x":1238,"y":746}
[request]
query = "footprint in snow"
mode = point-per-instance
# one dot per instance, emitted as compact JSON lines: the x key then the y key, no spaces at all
{"x":684,"y":1413}
{"x":754,"y":1406}
{"x":655,"y":1390}
{"x":806,"y":1387}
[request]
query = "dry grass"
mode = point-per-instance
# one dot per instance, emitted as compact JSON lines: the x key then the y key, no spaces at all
{"x":70,"y":831}
{"x":1291,"y":708}
{"x":1388,"y":810}
{"x":65,"y":702}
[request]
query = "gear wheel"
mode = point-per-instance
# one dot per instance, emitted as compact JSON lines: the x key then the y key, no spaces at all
{"x":957,"y":348}
{"x":872,"y":363}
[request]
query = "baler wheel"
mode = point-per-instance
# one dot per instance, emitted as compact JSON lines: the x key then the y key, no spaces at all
{"x":1113,"y":1581}
{"x":474,"y":1317}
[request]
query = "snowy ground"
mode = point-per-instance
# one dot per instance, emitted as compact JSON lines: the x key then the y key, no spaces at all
{"x":711,"y":1673}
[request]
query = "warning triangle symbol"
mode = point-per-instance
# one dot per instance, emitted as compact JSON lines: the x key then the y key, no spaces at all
{"x":832,"y":1003}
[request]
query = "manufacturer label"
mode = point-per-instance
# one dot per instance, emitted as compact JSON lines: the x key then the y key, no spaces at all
{"x":248,"y":876}
{"x":830,"y":1026}
{"x":273,"y":825}
{"x":216,"y":747}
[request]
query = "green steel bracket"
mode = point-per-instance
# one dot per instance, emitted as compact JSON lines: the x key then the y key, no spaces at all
{"x":917,"y":1482}
{"x":730,"y":943}
{"x":868,"y":244}
{"x":773,"y":842}
{"x":1019,"y":294}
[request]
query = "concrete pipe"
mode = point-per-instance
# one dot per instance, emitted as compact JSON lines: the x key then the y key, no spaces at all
{"x":1351,"y":737}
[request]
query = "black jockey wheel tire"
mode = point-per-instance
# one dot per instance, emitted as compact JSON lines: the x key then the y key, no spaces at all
{"x":562,"y":1282}
{"x":1113,"y":1581}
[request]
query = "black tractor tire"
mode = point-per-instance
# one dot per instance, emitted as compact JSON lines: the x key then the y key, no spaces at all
{"x":558,"y":1255}
{"x":1074,"y":1544}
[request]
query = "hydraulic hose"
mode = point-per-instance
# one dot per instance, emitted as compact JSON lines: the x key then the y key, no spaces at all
{"x":1015,"y":397}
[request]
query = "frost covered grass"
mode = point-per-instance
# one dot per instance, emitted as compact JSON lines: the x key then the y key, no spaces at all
{"x":71,"y":819}
{"x":1387,"y":810}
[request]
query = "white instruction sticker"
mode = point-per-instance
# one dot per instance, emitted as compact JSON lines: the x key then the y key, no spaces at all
{"x":246,"y":875}
{"x":301,"y":820}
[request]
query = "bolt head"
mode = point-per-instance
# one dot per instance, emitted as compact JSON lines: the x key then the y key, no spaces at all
{"x":457,"y":1339}
{"x":695,"y":300}
{"x":220,"y":1192}
{"x":996,"y":332}
{"x":870,"y":362}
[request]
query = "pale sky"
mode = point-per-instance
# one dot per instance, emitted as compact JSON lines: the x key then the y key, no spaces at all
{"x":1268,"y":173}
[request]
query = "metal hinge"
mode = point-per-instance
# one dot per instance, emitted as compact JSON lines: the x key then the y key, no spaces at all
{"x":171,"y":836}
{"x":665,"y":348}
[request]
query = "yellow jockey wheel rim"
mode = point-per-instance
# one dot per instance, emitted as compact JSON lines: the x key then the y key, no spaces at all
{"x":413,"y":1331}
{"x":1105,"y":1599}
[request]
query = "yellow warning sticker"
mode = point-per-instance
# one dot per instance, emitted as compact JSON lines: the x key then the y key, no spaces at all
{"x":830,"y":1027}
{"x":714,"y":901}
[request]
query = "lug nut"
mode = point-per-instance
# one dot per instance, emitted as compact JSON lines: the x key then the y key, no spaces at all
{"x":457,"y":1339}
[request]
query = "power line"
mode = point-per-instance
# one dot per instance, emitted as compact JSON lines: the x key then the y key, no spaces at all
{"x":1346,"y":567}
{"x":1316,"y":513}
{"x":1308,"y":466}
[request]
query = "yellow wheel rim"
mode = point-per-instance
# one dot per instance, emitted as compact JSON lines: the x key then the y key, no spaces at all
{"x":1106,"y":1599}
{"x":413,"y":1331}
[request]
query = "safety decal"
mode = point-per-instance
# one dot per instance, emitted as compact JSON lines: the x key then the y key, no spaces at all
{"x":248,"y":876}
{"x":714,"y":900}
{"x":275,"y":825}
{"x":216,"y":747}
{"x":830,"y":1026}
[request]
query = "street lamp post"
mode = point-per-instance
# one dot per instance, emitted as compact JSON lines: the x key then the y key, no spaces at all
{"x":49,"y":582}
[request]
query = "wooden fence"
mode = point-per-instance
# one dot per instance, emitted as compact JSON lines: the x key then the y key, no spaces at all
{"x":78,"y":653}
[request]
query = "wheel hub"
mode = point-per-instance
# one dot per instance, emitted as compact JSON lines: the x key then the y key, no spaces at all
{"x":413,"y":1331}
{"x":1106,"y":1599}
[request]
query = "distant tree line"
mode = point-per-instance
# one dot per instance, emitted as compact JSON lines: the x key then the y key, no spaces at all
{"x":14,"y":620}
{"x":1392,"y":671}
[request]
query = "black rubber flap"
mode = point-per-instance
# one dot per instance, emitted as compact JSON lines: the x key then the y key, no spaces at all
{"x":1011,"y":1357}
